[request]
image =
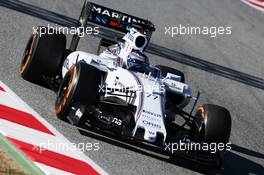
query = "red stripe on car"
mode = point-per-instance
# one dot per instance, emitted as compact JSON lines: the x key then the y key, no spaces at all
{"x":53,"y":159}
{"x":22,"y":118}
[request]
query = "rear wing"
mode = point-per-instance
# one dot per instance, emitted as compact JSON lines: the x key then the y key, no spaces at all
{"x":117,"y":20}
{"x":96,"y":15}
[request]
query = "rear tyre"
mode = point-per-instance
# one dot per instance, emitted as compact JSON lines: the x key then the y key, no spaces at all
{"x":213,"y":126}
{"x":80,"y":85}
{"x":42,"y":56}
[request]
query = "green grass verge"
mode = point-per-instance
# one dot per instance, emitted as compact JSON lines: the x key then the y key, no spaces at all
{"x":15,"y":162}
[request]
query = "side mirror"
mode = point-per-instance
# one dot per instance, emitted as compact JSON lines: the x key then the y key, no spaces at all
{"x":173,"y":77}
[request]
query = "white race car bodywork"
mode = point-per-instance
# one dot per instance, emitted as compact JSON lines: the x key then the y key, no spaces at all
{"x":150,"y":91}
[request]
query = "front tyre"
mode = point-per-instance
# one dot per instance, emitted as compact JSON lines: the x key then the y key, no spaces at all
{"x":42,"y":56}
{"x":80,"y":85}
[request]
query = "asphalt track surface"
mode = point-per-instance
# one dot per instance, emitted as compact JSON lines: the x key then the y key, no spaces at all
{"x":228,"y":70}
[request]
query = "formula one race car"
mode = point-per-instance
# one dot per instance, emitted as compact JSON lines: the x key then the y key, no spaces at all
{"x":117,"y":91}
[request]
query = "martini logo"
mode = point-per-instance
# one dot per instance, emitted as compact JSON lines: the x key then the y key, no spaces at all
{"x":115,"y":14}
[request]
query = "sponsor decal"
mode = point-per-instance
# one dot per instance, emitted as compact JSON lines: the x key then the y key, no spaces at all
{"x":151,"y":113}
{"x":151,"y":124}
{"x":116,"y":15}
{"x":151,"y":133}
{"x":149,"y":117}
{"x":130,"y":37}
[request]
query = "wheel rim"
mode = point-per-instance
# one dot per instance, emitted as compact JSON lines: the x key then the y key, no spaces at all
{"x":27,"y":53}
{"x":65,"y":90}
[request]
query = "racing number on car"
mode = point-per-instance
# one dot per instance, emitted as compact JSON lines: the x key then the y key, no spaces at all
{"x":117,"y":121}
